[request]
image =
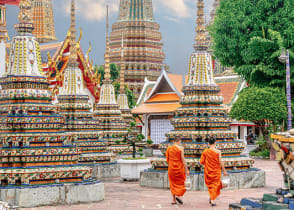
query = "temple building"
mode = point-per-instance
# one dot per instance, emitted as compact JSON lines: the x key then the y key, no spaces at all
{"x":35,"y":150}
{"x":75,"y":107}
{"x":202,"y":114}
{"x":43,"y":21}
{"x":157,"y":104}
{"x":57,"y":57}
{"x":143,"y":54}
{"x":107,"y":110}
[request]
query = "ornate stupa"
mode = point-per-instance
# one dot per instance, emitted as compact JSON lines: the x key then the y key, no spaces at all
{"x":143,"y":46}
{"x":122,"y":97}
{"x":43,"y":21}
{"x":107,"y":110}
{"x":3,"y":30}
{"x":34,"y":148}
{"x":202,"y":114}
{"x":75,"y":107}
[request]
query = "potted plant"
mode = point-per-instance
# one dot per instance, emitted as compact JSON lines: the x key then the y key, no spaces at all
{"x":148,"y":150}
{"x":130,"y":167}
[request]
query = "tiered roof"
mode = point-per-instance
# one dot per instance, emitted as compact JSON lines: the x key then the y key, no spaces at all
{"x":107,"y":110}
{"x":34,"y":147}
{"x":75,"y":107}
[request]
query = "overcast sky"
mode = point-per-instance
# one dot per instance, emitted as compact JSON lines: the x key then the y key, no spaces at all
{"x":177,"y":19}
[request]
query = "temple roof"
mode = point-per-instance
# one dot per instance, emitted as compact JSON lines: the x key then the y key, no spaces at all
{"x":230,"y":87}
{"x":163,"y":96}
{"x":58,"y":63}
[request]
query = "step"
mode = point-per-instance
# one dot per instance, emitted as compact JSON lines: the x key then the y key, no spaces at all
{"x":270,"y":197}
{"x":269,"y":205}
{"x":255,"y":203}
{"x":238,"y":206}
{"x":281,"y":191}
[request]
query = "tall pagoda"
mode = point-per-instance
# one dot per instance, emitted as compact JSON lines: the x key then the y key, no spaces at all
{"x":107,"y":111}
{"x":202,"y":114}
{"x":75,"y":107}
{"x":34,"y":148}
{"x":143,"y":47}
{"x":122,"y":97}
{"x":43,"y":21}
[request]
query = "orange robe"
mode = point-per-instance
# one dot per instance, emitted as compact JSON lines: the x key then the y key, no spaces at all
{"x":212,"y":172}
{"x":176,"y":171}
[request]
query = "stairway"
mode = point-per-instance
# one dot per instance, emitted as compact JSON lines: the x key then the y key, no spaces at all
{"x":271,"y":201}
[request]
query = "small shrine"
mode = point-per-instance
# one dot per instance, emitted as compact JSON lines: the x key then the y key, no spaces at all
{"x":75,"y":107}
{"x":107,"y":112}
{"x":201,"y":116}
{"x":35,"y":151}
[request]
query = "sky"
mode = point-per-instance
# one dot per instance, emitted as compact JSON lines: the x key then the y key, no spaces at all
{"x":177,"y":19}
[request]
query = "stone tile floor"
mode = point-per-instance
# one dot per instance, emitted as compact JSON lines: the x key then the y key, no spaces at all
{"x":130,"y":196}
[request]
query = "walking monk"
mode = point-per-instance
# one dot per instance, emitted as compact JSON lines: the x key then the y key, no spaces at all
{"x":213,"y":166}
{"x":177,"y":170}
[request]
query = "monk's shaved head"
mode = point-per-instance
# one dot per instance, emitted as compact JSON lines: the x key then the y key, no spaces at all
{"x":177,"y":138}
{"x":211,"y":140}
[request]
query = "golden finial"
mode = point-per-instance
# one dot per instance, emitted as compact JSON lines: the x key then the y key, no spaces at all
{"x":73,"y":48}
{"x":89,"y":50}
{"x":25,"y":18}
{"x":106,"y":56}
{"x":81,"y":35}
{"x":49,"y":58}
{"x":200,"y":38}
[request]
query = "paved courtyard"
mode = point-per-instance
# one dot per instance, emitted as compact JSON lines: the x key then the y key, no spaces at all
{"x":130,"y":196}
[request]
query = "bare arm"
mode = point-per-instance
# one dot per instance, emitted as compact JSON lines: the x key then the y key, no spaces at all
{"x":222,"y":164}
{"x":184,"y":162}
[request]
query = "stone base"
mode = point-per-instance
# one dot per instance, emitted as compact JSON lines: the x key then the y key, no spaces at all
{"x":53,"y":195}
{"x":130,"y":169}
{"x":106,"y":170}
{"x":241,"y":179}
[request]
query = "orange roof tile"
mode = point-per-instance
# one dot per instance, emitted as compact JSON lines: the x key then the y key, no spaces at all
{"x":164,"y":97}
{"x":155,"y":108}
{"x":177,"y":81}
{"x":228,"y":91}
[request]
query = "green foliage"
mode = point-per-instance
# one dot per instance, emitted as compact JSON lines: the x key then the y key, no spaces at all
{"x":263,"y":106}
{"x":140,"y":150}
{"x":259,"y":105}
{"x":133,"y":124}
{"x":114,"y":72}
{"x":149,"y":141}
{"x":264,"y":153}
{"x":249,"y":35}
{"x":117,"y":141}
{"x":131,"y":97}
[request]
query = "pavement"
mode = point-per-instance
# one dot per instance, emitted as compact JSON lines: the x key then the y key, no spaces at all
{"x":130,"y":196}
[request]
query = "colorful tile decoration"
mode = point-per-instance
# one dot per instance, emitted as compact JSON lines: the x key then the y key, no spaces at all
{"x":34,"y":150}
{"x":108,"y":114}
{"x":75,"y":107}
{"x":202,"y":114}
{"x":144,"y":59}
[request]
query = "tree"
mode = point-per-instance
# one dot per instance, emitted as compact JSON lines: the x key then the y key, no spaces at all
{"x":263,"y":106}
{"x":133,"y":137}
{"x":249,"y":35}
{"x":128,"y":92}
{"x":114,"y":72}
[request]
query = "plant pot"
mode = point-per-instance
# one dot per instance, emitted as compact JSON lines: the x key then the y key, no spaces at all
{"x":148,"y":151}
{"x":130,"y":168}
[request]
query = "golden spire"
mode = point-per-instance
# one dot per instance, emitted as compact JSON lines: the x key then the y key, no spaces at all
{"x":200,"y":38}
{"x":73,"y":44}
{"x":106,"y":55}
{"x":25,"y":25}
{"x":122,"y":68}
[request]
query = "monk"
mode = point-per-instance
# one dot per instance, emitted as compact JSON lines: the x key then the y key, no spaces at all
{"x":213,"y":166}
{"x":177,"y":170}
